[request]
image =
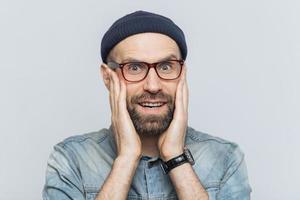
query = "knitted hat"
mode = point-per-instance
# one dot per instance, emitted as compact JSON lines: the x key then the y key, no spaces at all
{"x":141,"y":22}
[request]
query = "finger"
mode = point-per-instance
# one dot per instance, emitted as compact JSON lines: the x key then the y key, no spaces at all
{"x":111,"y":99}
{"x":122,"y":96}
{"x":116,"y":85}
{"x":113,"y":105}
{"x":179,"y":98}
{"x":116,"y":90}
{"x":185,"y":92}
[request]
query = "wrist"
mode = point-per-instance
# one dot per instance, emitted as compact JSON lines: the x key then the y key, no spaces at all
{"x":130,"y":155}
{"x":128,"y":159}
{"x":185,"y":157}
{"x":170,"y":154}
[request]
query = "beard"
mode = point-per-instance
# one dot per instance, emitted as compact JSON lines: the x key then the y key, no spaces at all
{"x":150,"y":125}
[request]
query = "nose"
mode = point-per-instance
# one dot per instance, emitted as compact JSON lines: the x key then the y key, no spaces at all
{"x":152,"y":82}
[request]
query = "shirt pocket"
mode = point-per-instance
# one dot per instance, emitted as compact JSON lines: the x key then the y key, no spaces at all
{"x":212,"y":188}
{"x":156,"y":197}
{"x":91,"y":192}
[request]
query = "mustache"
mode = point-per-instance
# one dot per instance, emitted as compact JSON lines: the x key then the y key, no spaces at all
{"x":151,"y":96}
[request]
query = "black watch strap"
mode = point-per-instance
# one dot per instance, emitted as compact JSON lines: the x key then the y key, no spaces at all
{"x":186,"y":157}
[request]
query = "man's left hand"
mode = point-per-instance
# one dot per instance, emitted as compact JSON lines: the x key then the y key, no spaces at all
{"x":171,"y":142}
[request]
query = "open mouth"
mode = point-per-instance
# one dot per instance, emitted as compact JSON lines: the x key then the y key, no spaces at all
{"x":152,"y":104}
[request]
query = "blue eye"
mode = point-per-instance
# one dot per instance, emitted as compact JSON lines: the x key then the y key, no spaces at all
{"x":166,"y":67}
{"x":135,"y":68}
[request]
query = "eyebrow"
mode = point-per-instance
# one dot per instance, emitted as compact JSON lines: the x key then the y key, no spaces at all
{"x":169,"y":57}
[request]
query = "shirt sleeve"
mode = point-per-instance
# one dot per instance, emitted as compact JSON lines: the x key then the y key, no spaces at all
{"x":63,"y":179}
{"x":235,"y":184}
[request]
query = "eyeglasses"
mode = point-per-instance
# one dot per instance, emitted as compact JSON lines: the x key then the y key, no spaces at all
{"x":138,"y":71}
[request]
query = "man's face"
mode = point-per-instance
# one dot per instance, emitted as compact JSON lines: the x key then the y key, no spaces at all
{"x":150,"y":102}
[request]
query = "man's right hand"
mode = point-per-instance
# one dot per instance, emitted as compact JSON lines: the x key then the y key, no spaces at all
{"x":127,"y":140}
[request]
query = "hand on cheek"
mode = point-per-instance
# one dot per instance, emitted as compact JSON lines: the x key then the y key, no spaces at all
{"x":127,"y":140}
{"x":171,"y":142}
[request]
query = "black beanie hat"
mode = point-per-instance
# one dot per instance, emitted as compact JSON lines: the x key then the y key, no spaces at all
{"x":141,"y":22}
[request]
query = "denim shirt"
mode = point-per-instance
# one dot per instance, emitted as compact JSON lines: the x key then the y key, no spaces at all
{"x":78,"y":167}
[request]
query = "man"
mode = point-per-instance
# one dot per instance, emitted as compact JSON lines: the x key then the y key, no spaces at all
{"x":149,"y":152}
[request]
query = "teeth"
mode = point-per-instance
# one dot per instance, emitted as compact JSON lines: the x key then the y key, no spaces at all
{"x":151,"y":104}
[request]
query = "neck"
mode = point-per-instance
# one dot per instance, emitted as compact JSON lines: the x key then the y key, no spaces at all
{"x":149,"y":145}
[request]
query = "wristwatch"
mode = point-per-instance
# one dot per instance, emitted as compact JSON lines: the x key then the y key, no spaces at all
{"x":178,"y":160}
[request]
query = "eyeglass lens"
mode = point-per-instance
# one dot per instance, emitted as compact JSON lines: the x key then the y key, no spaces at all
{"x":136,"y":71}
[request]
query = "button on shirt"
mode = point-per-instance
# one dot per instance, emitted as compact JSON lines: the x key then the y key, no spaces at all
{"x":78,"y":167}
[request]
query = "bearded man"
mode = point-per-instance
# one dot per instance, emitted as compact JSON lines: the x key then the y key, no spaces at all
{"x":149,"y":151}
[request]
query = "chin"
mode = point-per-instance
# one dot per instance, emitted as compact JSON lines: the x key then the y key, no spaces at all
{"x":150,"y":124}
{"x":151,"y":129}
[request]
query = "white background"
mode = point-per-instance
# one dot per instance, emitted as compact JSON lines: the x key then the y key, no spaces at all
{"x":243,"y":65}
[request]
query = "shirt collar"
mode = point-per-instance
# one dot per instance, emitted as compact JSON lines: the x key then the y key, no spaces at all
{"x":150,"y":160}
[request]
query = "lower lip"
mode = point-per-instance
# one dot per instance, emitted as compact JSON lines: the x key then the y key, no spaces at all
{"x":153,"y":110}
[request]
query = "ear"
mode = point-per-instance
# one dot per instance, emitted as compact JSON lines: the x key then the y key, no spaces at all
{"x":105,"y":72}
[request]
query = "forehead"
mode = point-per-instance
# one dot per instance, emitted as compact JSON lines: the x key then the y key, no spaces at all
{"x":148,"y":47}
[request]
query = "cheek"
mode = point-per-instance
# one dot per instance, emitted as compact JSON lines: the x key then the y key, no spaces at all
{"x":119,"y":73}
{"x":170,"y":88}
{"x":132,"y":89}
